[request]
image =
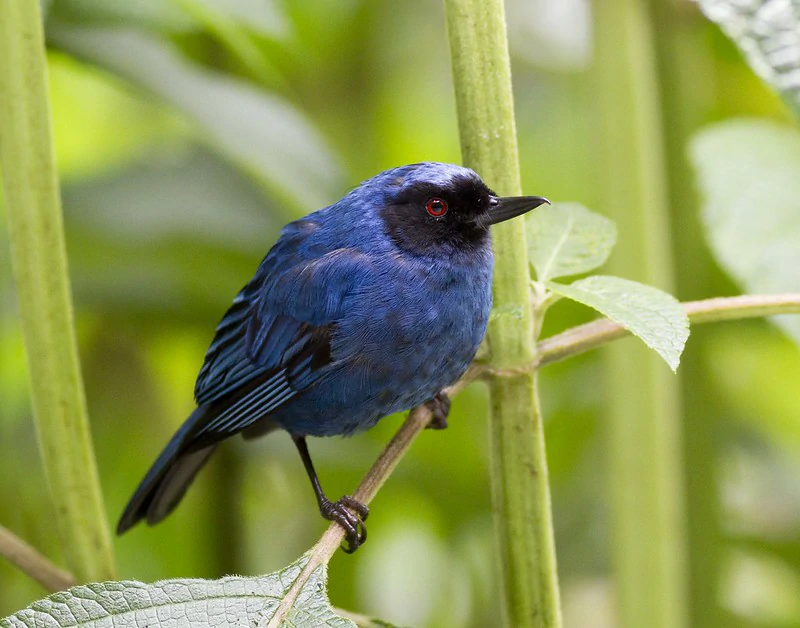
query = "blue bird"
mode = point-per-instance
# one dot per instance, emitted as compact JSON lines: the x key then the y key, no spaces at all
{"x":370,"y":306}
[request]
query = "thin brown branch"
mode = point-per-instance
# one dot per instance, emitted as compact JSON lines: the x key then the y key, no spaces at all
{"x":591,"y":335}
{"x":28,"y":560}
{"x":332,"y":538}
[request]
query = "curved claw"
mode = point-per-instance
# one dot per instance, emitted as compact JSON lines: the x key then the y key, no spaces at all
{"x":440,"y":408}
{"x":353,"y":524}
{"x":354,"y":504}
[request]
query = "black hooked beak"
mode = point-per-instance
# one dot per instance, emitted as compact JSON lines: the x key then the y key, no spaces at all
{"x":507,"y":207}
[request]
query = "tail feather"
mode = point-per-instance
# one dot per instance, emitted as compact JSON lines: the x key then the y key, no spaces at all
{"x":172,"y":487}
{"x":169,"y":477}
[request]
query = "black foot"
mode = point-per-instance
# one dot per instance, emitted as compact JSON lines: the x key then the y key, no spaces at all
{"x":353,"y":524}
{"x":440,"y":407}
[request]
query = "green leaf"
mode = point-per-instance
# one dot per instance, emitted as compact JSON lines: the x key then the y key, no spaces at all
{"x":267,"y":136}
{"x":568,"y":239}
{"x":170,"y":16}
{"x":157,"y":15}
{"x":231,"y":601}
{"x":266,"y":17}
{"x":768,"y":33}
{"x":170,"y":213}
{"x":749,"y":175}
{"x":651,"y":314}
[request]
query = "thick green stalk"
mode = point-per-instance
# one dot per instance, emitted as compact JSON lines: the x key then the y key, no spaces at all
{"x":520,"y":489}
{"x":685,"y":69}
{"x":644,"y":413}
{"x":38,"y":255}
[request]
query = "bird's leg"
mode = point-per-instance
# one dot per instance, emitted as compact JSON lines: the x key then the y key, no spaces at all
{"x":440,"y":408}
{"x":349,"y":513}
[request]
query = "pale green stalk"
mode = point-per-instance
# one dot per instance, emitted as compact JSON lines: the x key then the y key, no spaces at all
{"x":33,"y":212}
{"x":688,"y":94}
{"x":520,"y":489}
{"x":648,"y":544}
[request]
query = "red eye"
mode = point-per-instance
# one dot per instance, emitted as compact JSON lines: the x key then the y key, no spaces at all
{"x":436,"y":207}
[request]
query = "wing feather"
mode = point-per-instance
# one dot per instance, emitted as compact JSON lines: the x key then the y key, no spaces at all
{"x":274,"y":341}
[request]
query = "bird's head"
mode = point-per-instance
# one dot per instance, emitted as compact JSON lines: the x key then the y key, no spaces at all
{"x":430,"y":206}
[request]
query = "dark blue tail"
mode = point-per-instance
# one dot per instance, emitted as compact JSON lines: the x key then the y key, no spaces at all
{"x":171,"y":474}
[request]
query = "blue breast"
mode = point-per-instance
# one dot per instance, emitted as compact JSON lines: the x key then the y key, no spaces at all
{"x":414,"y":324}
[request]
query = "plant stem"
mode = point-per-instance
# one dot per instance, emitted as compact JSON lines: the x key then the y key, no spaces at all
{"x":648,"y":544}
{"x":592,"y":335}
{"x":31,"y":562}
{"x":39,"y":262}
{"x":689,"y":96}
{"x":520,"y":488}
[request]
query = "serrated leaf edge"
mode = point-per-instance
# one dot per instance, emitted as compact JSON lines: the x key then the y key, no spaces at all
{"x":554,"y":286}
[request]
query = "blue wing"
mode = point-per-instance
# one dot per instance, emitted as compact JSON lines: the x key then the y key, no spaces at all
{"x":275,"y":340}
{"x":272,"y":345}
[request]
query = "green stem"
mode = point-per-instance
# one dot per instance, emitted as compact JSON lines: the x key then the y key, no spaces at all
{"x":39,"y":262}
{"x":520,"y":488}
{"x":648,"y":545}
{"x":689,"y":95}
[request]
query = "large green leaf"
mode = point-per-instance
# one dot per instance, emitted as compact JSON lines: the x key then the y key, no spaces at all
{"x":194,"y":196}
{"x":178,"y":234}
{"x":768,"y":32}
{"x":231,"y":601}
{"x":263,"y":16}
{"x":264,"y":134}
{"x":171,"y":16}
{"x":568,"y":239}
{"x":654,"y":316}
{"x":749,"y":174}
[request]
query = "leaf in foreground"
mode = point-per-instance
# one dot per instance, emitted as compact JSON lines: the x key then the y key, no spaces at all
{"x":656,"y":317}
{"x":568,"y":239}
{"x":231,"y":601}
{"x":749,"y":175}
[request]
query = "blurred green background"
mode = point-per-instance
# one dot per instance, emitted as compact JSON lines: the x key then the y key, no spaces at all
{"x":189,"y":131}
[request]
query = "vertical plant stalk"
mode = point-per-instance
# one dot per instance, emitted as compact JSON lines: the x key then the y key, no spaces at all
{"x":684,"y":66}
{"x":520,"y":488}
{"x":38,"y":256}
{"x":644,"y":411}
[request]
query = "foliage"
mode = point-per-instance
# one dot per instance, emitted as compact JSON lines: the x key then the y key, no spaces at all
{"x":169,"y":205}
{"x":768,"y":32}
{"x":193,"y":603}
{"x":260,"y":131}
{"x":568,"y":239}
{"x":748,"y":173}
{"x":651,"y":314}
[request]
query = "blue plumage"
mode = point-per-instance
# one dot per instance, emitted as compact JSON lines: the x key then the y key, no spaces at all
{"x":367,"y":307}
